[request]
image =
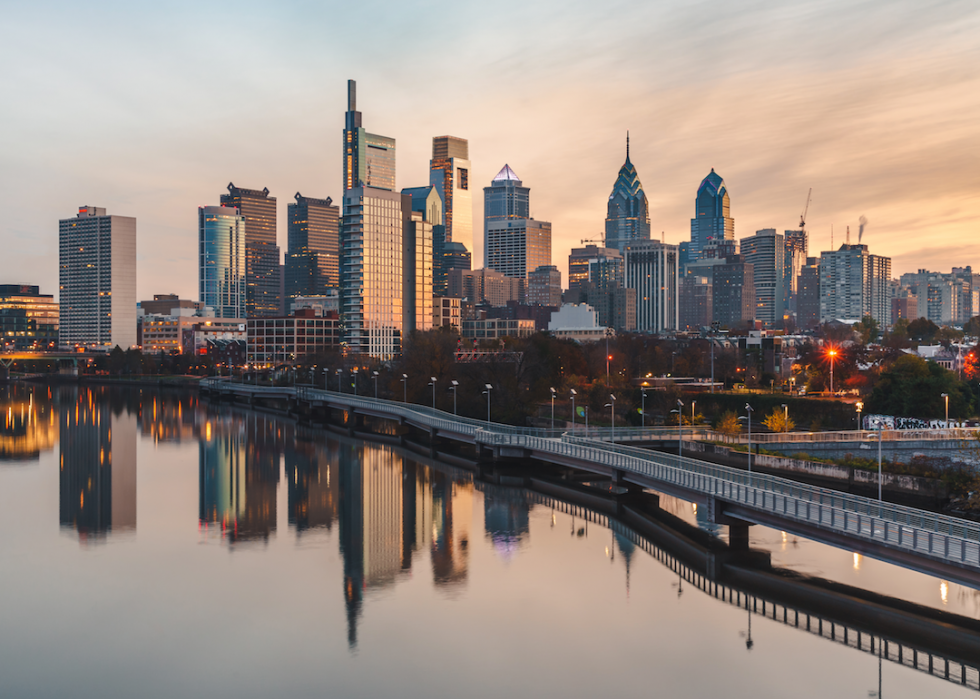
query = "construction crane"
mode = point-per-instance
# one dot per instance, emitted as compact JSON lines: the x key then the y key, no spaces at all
{"x":601,"y":240}
{"x":805,"y":209}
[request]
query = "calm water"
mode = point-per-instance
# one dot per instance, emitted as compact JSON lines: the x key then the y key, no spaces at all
{"x":154,"y":547}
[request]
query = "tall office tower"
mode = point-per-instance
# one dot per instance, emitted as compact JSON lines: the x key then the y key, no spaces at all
{"x":506,"y":199}
{"x":371,"y":279}
{"x":733,"y":292}
{"x":518,"y":246}
{"x":426,"y":201}
{"x":544,"y":286}
{"x":97,"y":467}
{"x":593,"y":263}
{"x":454,"y":256}
{"x":794,"y":259}
{"x":712,"y":222}
{"x":854,"y":284}
{"x":262,"y":271}
{"x":221,"y":270}
{"x":449,"y":173}
{"x":97,"y":279}
{"x":694,"y":293}
{"x":628,"y":212}
{"x":416,"y":269}
{"x":767,"y":253}
{"x":808,"y":295}
{"x":313,"y":255}
{"x":369,"y":159}
{"x":652,"y":269}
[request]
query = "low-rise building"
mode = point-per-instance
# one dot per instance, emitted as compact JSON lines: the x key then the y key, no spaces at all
{"x":579,"y":322}
{"x":28,"y":318}
{"x":285,"y":339}
{"x":446,"y":312}
{"x":494,"y":329}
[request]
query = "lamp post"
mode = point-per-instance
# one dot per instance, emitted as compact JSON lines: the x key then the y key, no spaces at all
{"x":355,"y":372}
{"x":340,"y":379}
{"x":612,"y":417}
{"x":487,"y":392}
{"x":859,"y":406}
{"x":785,"y":418}
{"x":432,"y":382}
{"x":832,"y":355}
{"x":712,"y":365}
{"x":643,"y":407}
{"x":879,"y":423}
{"x":586,"y":422}
{"x":374,"y":377}
{"x":573,"y":394}
{"x":748,"y":411}
{"x":680,"y":426}
{"x":453,"y":389}
{"x":404,"y":388}
{"x":693,"y":403}
{"x":945,"y":397}
{"x":552,"y":407}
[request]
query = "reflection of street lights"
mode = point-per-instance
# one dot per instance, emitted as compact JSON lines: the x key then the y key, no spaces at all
{"x":859,"y":406}
{"x":573,"y":407}
{"x":452,"y":388}
{"x":433,"y":384}
{"x":612,"y":416}
{"x":552,"y":407}
{"x":374,"y":377}
{"x":404,"y":388}
{"x":945,"y":397}
{"x":487,"y":392}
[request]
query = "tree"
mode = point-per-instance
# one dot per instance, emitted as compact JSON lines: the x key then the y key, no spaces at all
{"x":922,"y":330}
{"x":728,"y":423}
{"x":972,"y":327}
{"x":913,"y":387}
{"x":779,"y":421}
{"x":947,"y":336}
{"x":867,"y":330}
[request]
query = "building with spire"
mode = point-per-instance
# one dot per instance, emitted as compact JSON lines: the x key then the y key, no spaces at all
{"x":514,"y":243}
{"x":712,"y":222}
{"x":369,"y":159}
{"x":628,"y":212}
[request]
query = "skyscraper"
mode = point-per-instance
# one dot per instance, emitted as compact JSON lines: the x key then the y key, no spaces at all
{"x":449,"y":173}
{"x":369,"y":159}
{"x":808,"y":295}
{"x":795,"y":258}
{"x":544,"y":286}
{"x":371,"y":275}
{"x":628,"y":212}
{"x":652,"y":270}
{"x":262,"y":272}
{"x":313,"y":255}
{"x":733,"y":292}
{"x":712,"y":222}
{"x":766,"y":252}
{"x":426,"y":201}
{"x":518,"y":246}
{"x":97,"y":279}
{"x":505,"y":199}
{"x":416,"y":269}
{"x":595,"y":264}
{"x":854,"y":284}
{"x":221,"y":267}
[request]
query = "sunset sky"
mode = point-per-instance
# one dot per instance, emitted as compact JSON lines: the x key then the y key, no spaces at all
{"x":150,"y":110}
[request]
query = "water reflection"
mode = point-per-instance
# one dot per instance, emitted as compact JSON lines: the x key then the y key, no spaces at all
{"x":507,"y":524}
{"x":97,"y":461}
{"x":28,"y":424}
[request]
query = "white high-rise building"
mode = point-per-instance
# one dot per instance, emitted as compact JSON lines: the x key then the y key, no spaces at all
{"x":854,"y":284}
{"x":652,"y":269}
{"x":767,"y":253}
{"x":97,"y":279}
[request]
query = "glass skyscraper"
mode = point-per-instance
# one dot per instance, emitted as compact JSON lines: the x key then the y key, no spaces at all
{"x":222,"y":260}
{"x":313,"y":256}
{"x":369,"y":159}
{"x":712,"y":222}
{"x":262,"y":270}
{"x":449,"y":173}
{"x":628,"y":212}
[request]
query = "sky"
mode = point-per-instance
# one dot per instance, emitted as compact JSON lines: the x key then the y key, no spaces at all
{"x":150,"y":110}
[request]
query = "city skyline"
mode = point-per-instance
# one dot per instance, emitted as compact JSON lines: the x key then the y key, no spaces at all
{"x":872,"y":110}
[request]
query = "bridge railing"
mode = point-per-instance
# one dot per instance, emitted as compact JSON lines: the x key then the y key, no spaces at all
{"x":958,"y":433}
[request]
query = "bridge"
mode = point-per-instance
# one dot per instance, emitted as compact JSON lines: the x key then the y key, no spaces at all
{"x":931,"y":543}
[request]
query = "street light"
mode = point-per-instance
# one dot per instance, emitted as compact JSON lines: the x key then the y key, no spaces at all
{"x":612,"y":417}
{"x":553,"y":407}
{"x":859,"y":406}
{"x":643,"y":407}
{"x":340,"y":378}
{"x":832,"y":355}
{"x":680,"y":426}
{"x":786,"y":417}
{"x":748,"y":411}
{"x":487,"y":392}
{"x":945,"y":397}
{"x":573,"y":407}
{"x":879,"y":423}
{"x":432,"y":383}
{"x":355,"y":372}
{"x":453,"y":389}
{"x":374,"y":377}
{"x":693,"y":403}
{"x":404,"y":388}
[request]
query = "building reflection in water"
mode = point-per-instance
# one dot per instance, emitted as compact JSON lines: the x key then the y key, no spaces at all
{"x":170,"y":416}
{"x":97,"y":465}
{"x":313,"y":487}
{"x":507,"y":523}
{"x":28,"y":422}
{"x":239,"y":475}
{"x":452,"y":512}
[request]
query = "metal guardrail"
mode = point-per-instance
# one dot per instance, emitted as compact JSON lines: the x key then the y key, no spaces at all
{"x":905,"y":528}
{"x":952,"y":433}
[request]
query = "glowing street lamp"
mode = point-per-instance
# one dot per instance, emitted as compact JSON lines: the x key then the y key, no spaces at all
{"x":374,"y":377}
{"x":859,"y":406}
{"x":404,"y":388}
{"x":832,"y":355}
{"x":573,"y":407}
{"x":612,"y":416}
{"x":553,"y":407}
{"x":945,"y":397}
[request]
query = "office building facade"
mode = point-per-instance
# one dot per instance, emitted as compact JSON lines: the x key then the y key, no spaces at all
{"x":97,"y":279}
{"x":854,"y":284}
{"x":416,"y":270}
{"x":628,"y":212}
{"x":766,"y":252}
{"x":518,"y":246}
{"x":808,"y":295}
{"x":652,"y":269}
{"x":486,"y":286}
{"x":28,"y":318}
{"x":733,"y":293}
{"x":222,"y":264}
{"x":369,"y":159}
{"x":544,"y":286}
{"x":449,"y":173}
{"x":594,"y":264}
{"x":712,"y":222}
{"x":506,"y":199}
{"x":313,"y":253}
{"x":262,"y":268}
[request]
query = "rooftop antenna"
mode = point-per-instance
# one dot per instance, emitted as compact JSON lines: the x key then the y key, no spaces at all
{"x":627,"y":144}
{"x":848,"y":238}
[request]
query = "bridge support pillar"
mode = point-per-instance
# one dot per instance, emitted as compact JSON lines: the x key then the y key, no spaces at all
{"x":351,"y":421}
{"x":738,"y":536}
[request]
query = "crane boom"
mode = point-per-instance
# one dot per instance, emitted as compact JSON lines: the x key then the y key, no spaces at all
{"x":805,"y":209}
